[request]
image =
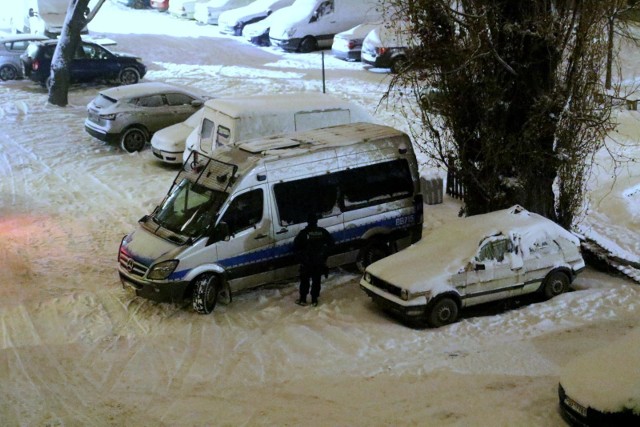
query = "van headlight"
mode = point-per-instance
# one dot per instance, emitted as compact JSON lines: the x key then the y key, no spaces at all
{"x":162,"y":270}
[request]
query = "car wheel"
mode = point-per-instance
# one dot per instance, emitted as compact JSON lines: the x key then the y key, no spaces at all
{"x":308,"y":44}
{"x":371,"y":253}
{"x":398,"y":63}
{"x":442,"y":312}
{"x":129,"y":76}
{"x":205,"y":293}
{"x":555,"y":284}
{"x":133,"y":140}
{"x":8,"y":72}
{"x":138,"y":4}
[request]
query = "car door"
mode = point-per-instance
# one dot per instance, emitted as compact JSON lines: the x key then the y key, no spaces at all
{"x":152,"y":111}
{"x":495,"y":272}
{"x":246,"y":254}
{"x":93,"y":62}
{"x":181,"y":106}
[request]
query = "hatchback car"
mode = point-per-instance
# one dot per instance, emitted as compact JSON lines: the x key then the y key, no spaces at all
{"x":475,"y":260}
{"x":131,"y":114}
{"x":386,"y":47}
{"x":11,"y":47}
{"x":347,"y":45}
{"x":92,"y":62}
{"x":602,"y":387}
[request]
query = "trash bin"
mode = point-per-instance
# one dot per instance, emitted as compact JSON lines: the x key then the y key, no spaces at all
{"x":432,"y":189}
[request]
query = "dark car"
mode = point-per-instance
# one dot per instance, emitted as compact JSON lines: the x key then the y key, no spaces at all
{"x":92,"y":62}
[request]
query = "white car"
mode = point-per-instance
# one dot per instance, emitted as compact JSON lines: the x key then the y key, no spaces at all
{"x":168,"y":144}
{"x":602,"y":386}
{"x":209,"y":12}
{"x":131,"y":114}
{"x":184,"y":8}
{"x":233,"y":21}
{"x":347,"y":45}
{"x":475,"y":260}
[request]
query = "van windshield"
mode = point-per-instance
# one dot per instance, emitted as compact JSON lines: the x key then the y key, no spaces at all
{"x":190,"y":209}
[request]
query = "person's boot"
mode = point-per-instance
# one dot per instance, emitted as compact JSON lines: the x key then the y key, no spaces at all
{"x":314,"y":302}
{"x":301,"y":301}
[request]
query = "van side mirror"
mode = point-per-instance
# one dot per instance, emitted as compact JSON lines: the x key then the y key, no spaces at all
{"x":314,"y":17}
{"x":220,"y":232}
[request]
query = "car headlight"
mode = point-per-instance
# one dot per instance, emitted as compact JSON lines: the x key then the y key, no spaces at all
{"x":108,"y":116}
{"x":162,"y":270}
{"x":404,"y":294}
{"x":367,"y":277}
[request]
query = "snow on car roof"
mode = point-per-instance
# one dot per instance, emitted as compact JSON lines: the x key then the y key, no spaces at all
{"x":606,"y":379}
{"x":448,"y":248}
{"x":148,"y":88}
{"x":20,"y":37}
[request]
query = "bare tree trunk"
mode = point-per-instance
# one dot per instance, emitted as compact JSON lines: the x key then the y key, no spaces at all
{"x":78,"y":15}
{"x":610,"y":35}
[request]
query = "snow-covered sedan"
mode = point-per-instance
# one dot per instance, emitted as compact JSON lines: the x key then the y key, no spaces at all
{"x":131,"y":114}
{"x":602,"y":387}
{"x":475,"y":260}
{"x":168,"y":144}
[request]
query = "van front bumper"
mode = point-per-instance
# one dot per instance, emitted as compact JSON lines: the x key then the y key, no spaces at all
{"x":286,"y":44}
{"x":173,"y":292}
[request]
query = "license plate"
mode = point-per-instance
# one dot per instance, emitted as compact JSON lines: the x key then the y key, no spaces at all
{"x":575,"y":406}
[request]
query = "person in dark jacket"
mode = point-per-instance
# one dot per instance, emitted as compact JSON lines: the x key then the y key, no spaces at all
{"x":312,"y":247}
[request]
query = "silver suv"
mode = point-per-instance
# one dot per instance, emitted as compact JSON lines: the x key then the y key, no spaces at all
{"x":131,"y":114}
{"x":474,"y":260}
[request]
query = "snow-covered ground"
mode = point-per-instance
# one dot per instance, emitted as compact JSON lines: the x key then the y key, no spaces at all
{"x":77,"y":349}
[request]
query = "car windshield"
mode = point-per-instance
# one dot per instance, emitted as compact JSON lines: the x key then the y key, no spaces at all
{"x":190,"y":209}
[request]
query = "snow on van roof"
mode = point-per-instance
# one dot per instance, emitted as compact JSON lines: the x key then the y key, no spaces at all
{"x":246,"y":106}
{"x":149,"y":88}
{"x":451,"y":246}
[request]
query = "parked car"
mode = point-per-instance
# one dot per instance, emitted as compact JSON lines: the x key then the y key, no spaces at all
{"x":168,"y":144}
{"x":602,"y":387}
{"x":161,"y":5}
{"x":386,"y":47}
{"x":258,"y":32}
{"x":136,"y":4}
{"x":233,"y":21}
{"x":184,"y":8}
{"x":474,"y":260}
{"x":11,"y":47}
{"x":209,"y":12}
{"x":311,"y":24}
{"x":92,"y":62}
{"x":131,"y":114}
{"x":347,"y":45}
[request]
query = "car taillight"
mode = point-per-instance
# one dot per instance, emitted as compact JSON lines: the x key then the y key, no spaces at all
{"x":35,"y":65}
{"x":381,"y":50}
{"x":351,"y":44}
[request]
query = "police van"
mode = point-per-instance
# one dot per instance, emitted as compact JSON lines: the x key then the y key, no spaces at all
{"x":228,"y":221}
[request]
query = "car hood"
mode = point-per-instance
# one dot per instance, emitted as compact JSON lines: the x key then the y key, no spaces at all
{"x":171,"y":138}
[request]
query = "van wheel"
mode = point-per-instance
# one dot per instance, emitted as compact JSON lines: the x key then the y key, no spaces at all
{"x":129,"y":76}
{"x":555,"y":284}
{"x":205,"y":293}
{"x":133,"y":139}
{"x":442,"y":311}
{"x":8,"y":72}
{"x":371,"y":253}
{"x":308,"y":44}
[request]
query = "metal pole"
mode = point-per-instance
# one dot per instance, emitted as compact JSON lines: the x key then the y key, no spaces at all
{"x":323,"y":83}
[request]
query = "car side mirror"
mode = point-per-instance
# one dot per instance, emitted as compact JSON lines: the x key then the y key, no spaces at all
{"x":197,"y":103}
{"x":478,"y":267}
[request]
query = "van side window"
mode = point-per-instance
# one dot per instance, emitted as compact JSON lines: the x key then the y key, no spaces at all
{"x":222,"y":137}
{"x":245,"y":211}
{"x":207,"y":129}
{"x":295,"y":199}
{"x":374,"y":184}
{"x":325,"y":8}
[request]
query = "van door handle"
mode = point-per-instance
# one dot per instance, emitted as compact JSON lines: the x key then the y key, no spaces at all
{"x":282,"y":231}
{"x":261,"y":236}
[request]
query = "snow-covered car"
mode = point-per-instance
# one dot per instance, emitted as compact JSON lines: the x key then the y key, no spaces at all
{"x":258,"y":32}
{"x":347,"y":45}
{"x":602,"y":387}
{"x":168,"y":144}
{"x":209,"y":12}
{"x":11,"y":47}
{"x":184,"y":8}
{"x":131,"y":114}
{"x":135,"y":4}
{"x":386,"y":47}
{"x":474,"y":260}
{"x":233,"y":21}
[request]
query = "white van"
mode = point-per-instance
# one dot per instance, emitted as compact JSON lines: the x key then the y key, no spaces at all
{"x":227,"y":120}
{"x":229,"y":225}
{"x":209,"y":12}
{"x":44,"y":17}
{"x":233,"y":21}
{"x":311,"y":24}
